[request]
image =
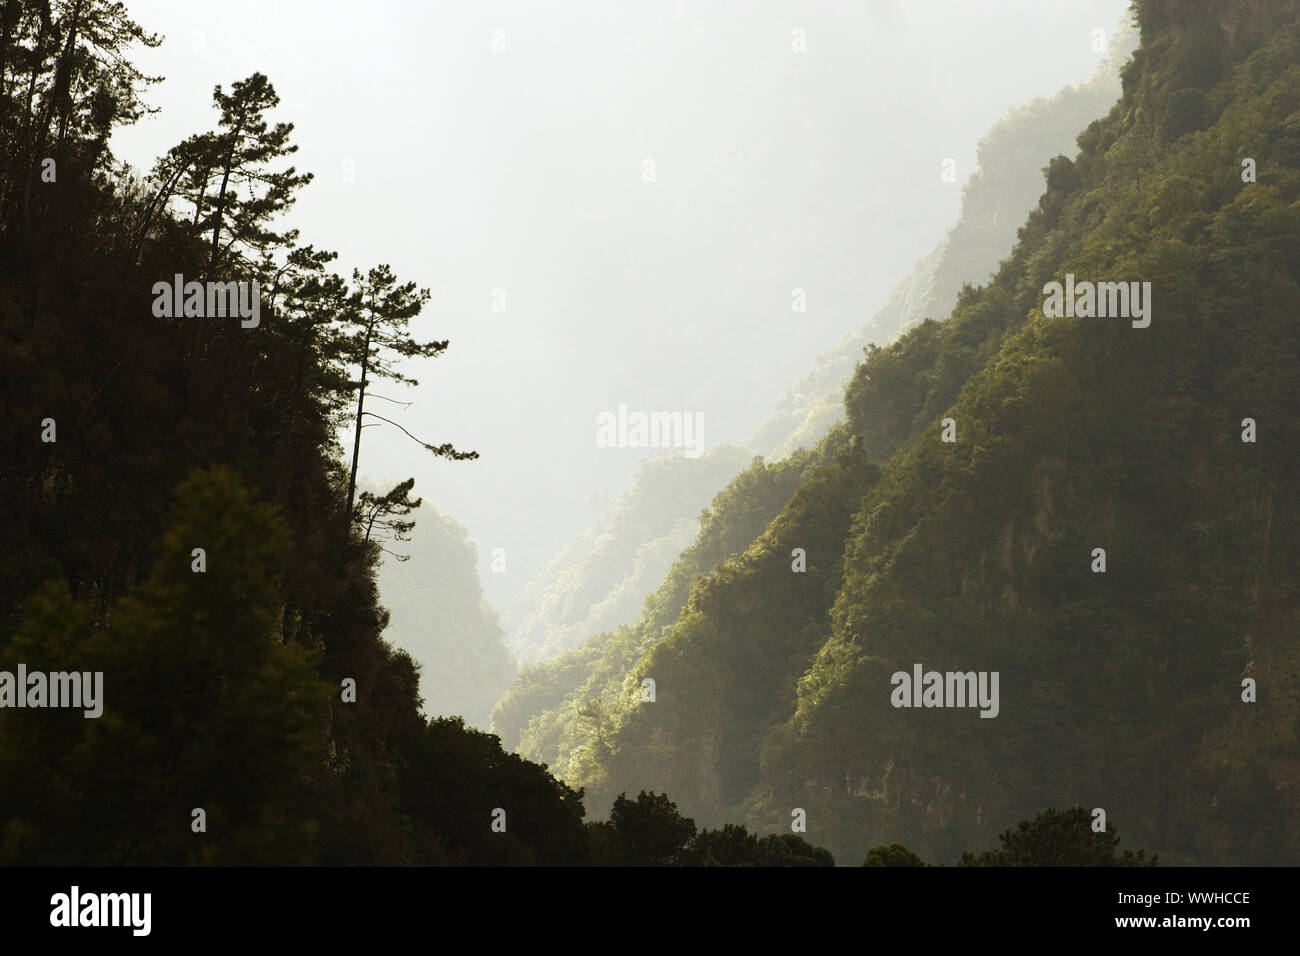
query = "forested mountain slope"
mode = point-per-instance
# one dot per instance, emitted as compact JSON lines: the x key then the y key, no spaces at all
{"x":550,"y":695}
{"x":1120,"y":689}
{"x":549,"y":709}
{"x":598,"y":581}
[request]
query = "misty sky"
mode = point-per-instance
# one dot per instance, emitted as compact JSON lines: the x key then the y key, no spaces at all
{"x":522,"y":170}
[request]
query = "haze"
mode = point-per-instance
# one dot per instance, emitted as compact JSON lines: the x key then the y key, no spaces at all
{"x":522,"y":169}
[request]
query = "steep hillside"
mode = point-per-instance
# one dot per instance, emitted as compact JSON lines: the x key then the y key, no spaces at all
{"x":1121,"y":684}
{"x":598,"y":581}
{"x":539,"y":714}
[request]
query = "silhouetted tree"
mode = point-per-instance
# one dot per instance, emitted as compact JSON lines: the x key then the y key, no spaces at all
{"x":380,"y":311}
{"x":1058,"y":838}
{"x":652,"y":831}
{"x":384,"y":514}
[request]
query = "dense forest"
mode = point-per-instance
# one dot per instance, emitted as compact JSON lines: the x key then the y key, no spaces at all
{"x":1100,"y":512}
{"x":1097,"y":511}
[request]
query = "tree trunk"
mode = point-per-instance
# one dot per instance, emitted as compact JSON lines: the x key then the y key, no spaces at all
{"x":356,"y":441}
{"x":235,"y":133}
{"x":59,"y":89}
{"x":156,"y":205}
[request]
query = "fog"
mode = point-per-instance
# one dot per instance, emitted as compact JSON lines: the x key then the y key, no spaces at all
{"x":613,"y":203}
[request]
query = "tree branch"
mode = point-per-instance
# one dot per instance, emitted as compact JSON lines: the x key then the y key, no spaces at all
{"x":444,"y":450}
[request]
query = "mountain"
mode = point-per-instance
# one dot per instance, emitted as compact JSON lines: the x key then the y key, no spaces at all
{"x":438,"y":615}
{"x":539,"y":713}
{"x":1155,"y":678}
{"x":603,"y":647}
{"x":599,"y":580}
{"x":1002,"y":191}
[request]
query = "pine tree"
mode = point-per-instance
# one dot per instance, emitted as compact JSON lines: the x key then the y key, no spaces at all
{"x":380,"y":313}
{"x":249,"y":194}
{"x":381,"y":515}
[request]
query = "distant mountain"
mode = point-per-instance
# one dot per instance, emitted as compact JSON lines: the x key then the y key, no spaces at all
{"x":539,"y":713}
{"x":995,"y":201}
{"x":599,"y":580}
{"x":438,"y":615}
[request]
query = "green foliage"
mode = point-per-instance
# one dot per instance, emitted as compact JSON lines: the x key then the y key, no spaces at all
{"x":375,"y":333}
{"x":893,"y":854}
{"x":1005,"y":186}
{"x":1057,"y":838}
{"x":1188,"y":112}
{"x":787,"y":849}
{"x":539,"y":713}
{"x":541,"y":688}
{"x":205,"y":706}
{"x":381,"y":516}
{"x":733,"y":845}
{"x":248,"y":194}
{"x":221,"y":686}
{"x":729,"y":658}
{"x":221,"y":680}
{"x":1072,"y":434}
